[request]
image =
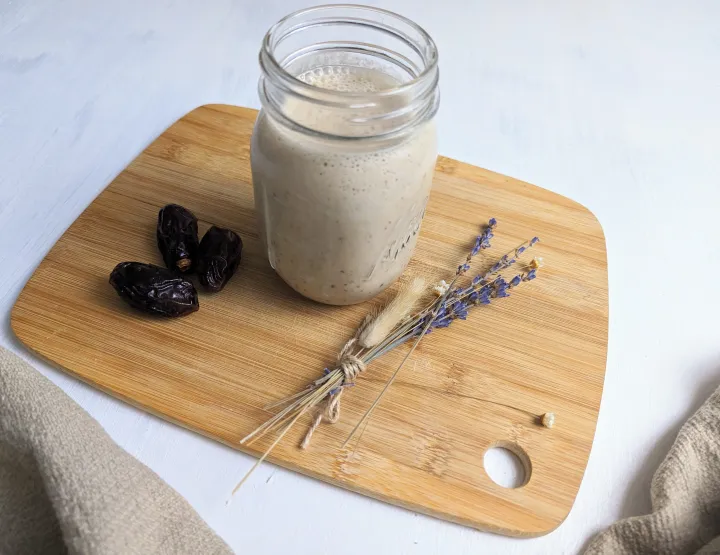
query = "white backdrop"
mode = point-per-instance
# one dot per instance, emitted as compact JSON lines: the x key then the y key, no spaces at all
{"x":613,"y":103}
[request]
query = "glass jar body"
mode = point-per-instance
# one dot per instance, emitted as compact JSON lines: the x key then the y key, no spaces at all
{"x":344,"y":150}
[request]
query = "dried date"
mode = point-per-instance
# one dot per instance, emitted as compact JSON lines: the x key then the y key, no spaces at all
{"x":177,"y":237}
{"x":218,"y":257}
{"x":154,"y":289}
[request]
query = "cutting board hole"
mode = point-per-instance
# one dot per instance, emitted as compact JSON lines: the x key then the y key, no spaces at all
{"x":507,"y":464}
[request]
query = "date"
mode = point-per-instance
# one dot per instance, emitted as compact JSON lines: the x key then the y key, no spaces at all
{"x":177,"y":237}
{"x":218,"y":257}
{"x":154,"y":289}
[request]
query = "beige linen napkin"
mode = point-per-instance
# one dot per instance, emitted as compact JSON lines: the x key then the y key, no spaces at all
{"x":685,"y":495}
{"x":66,"y":487}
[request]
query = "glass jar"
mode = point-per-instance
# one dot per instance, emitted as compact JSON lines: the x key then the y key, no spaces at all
{"x":344,"y":149}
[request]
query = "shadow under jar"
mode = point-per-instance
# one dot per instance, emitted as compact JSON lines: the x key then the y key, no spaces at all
{"x":344,"y":149}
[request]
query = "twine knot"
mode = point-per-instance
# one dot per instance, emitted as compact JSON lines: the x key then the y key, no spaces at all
{"x":351,"y":367}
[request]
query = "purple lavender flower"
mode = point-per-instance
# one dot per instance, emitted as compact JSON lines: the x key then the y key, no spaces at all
{"x":484,"y":297}
{"x":459,"y":310}
{"x":481,"y":242}
{"x":463,"y":268}
{"x":500,"y":287}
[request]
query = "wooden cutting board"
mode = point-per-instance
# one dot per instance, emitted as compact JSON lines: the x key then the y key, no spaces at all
{"x":542,"y":350}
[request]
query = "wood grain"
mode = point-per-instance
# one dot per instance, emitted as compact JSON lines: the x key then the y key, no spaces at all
{"x":543,"y":349}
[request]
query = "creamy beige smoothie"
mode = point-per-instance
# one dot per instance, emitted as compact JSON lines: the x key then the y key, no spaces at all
{"x":340,"y":217}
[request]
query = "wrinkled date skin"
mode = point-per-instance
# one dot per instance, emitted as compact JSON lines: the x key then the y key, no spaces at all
{"x":177,"y":237}
{"x":154,"y":289}
{"x":219,"y":256}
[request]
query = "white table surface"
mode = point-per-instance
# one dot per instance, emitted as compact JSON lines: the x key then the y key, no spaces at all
{"x":614,"y":103}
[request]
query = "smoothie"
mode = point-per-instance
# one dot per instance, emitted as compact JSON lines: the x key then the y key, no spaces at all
{"x":340,"y":217}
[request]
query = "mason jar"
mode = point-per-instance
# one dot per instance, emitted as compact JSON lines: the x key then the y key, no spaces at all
{"x":344,"y":148}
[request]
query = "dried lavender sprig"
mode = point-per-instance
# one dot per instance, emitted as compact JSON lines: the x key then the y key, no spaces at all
{"x":390,"y":346}
{"x":478,"y":292}
{"x":506,"y":260}
{"x":482,"y":242}
{"x":457,"y":308}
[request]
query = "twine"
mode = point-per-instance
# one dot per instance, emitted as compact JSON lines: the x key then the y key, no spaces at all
{"x":351,"y":367}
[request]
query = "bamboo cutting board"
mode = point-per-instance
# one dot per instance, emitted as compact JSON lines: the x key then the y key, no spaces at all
{"x":541,"y":350}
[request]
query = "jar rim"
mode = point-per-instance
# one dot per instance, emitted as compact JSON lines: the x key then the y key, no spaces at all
{"x":430,"y":59}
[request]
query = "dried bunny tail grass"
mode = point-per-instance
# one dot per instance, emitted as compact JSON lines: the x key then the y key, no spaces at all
{"x":369,"y":317}
{"x":373,"y":331}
